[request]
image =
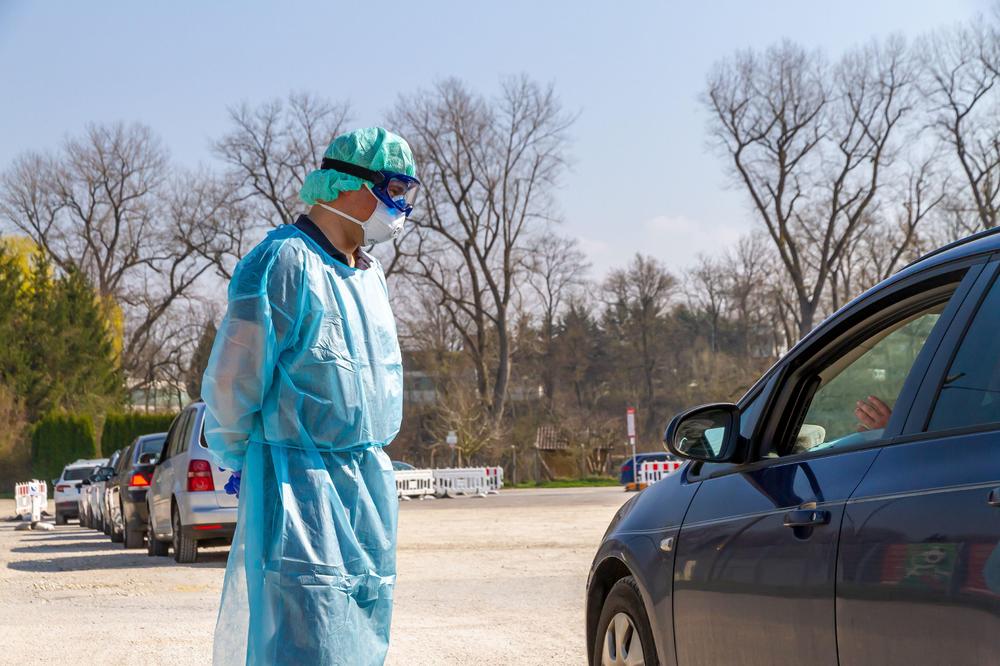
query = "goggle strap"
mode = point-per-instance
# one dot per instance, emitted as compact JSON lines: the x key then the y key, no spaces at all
{"x":352,"y":170}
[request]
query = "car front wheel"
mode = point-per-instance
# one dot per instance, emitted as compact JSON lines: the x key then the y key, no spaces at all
{"x":623,"y":634}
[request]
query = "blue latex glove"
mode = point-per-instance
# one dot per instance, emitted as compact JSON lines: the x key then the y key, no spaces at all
{"x":232,"y":486}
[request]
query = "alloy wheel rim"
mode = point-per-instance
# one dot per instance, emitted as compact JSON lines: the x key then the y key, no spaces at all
{"x":622,"y":645}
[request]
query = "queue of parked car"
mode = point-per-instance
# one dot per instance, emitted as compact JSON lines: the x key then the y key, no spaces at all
{"x":162,"y":492}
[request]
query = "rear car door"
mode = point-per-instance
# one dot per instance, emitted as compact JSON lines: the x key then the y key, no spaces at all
{"x":161,"y":488}
{"x":919,"y":571}
{"x":756,"y":557}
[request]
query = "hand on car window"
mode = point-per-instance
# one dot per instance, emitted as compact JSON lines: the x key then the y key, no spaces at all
{"x":872,"y":414}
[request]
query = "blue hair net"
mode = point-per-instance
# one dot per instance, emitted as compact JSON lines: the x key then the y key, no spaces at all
{"x":374,"y":148}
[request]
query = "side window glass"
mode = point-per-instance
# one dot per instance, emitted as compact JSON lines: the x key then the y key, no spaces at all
{"x":173,"y":435}
{"x":852,"y":397}
{"x":970,"y":394}
{"x":185,"y":437}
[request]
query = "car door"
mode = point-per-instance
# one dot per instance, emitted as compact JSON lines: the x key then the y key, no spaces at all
{"x":919,"y":572}
{"x":161,"y":490}
{"x":756,"y":556}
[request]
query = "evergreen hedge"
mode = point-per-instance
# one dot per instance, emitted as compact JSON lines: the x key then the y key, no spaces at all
{"x":121,"y":429}
{"x":58,"y":439}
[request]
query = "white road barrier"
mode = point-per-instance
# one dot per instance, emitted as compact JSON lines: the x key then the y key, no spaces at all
{"x":494,"y":479}
{"x":23,"y":492}
{"x":412,"y":483}
{"x":454,"y":482}
{"x":651,"y":471}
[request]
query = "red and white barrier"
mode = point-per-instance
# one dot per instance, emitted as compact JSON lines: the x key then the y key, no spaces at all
{"x":652,"y":471}
{"x":412,"y":483}
{"x":494,"y":479}
{"x":23,"y":492}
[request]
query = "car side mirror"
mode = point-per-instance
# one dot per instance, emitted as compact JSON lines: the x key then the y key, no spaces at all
{"x":709,"y":433}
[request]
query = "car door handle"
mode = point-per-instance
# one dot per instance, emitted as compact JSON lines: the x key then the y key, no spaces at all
{"x":994,"y":497}
{"x":806,"y":518}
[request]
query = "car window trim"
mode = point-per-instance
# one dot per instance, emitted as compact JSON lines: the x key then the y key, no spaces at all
{"x":918,"y":419}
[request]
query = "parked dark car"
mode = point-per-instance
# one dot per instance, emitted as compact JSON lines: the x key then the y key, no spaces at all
{"x":800,"y":532}
{"x":128,"y":488}
{"x":627,"y":474}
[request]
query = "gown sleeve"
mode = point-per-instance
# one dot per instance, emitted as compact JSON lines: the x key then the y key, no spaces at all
{"x":260,"y":321}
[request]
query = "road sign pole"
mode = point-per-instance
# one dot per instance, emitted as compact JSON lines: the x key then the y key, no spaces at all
{"x":630,"y":426}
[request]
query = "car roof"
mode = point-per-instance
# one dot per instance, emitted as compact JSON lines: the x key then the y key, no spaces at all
{"x":86,"y":463}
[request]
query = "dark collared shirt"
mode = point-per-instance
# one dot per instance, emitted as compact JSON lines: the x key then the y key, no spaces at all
{"x":309,"y":228}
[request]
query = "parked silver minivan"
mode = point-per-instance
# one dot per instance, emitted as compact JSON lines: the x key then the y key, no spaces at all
{"x":187,"y":502}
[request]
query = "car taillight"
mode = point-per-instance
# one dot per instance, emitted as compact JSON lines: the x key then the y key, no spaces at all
{"x":200,"y":476}
{"x":62,"y":487}
{"x":139,"y":480}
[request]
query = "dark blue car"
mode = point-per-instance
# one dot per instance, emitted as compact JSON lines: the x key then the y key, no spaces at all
{"x":845,"y":511}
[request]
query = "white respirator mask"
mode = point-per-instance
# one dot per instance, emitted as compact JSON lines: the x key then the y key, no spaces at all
{"x":384,"y":224}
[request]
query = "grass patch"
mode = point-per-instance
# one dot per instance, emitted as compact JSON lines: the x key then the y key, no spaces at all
{"x":589,"y":482}
{"x":4,"y":496}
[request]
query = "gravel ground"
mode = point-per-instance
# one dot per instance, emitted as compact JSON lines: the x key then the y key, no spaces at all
{"x":496,"y":580}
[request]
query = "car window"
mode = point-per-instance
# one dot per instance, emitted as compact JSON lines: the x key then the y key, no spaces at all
{"x":853,"y":395}
{"x":124,"y":459}
{"x":173,"y":435}
{"x":185,"y":438}
{"x":849,"y":400}
{"x":970,"y":393}
{"x":78,"y":473}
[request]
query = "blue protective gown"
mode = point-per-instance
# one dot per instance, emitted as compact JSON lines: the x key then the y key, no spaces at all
{"x":303,"y":389}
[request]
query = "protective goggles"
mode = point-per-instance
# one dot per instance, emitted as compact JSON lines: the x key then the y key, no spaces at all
{"x":395,"y":190}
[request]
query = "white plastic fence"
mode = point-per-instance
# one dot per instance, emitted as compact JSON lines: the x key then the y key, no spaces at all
{"x":23,"y":493}
{"x":454,"y":482}
{"x":652,"y":471}
{"x":412,"y":483}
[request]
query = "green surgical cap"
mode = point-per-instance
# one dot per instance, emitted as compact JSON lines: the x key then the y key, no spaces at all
{"x":373,"y":148}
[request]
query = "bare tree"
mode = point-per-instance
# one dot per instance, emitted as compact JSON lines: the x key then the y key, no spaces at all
{"x":637,"y":298}
{"x":556,"y":271}
{"x":809,"y":142}
{"x":273,"y":146}
{"x":488,"y":167}
{"x":104,"y":204}
{"x":961,"y":78}
{"x":709,"y":292}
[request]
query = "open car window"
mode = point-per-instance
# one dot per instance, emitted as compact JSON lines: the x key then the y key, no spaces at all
{"x":849,"y":398}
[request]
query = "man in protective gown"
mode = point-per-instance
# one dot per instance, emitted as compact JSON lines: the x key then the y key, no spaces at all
{"x":303,"y":390}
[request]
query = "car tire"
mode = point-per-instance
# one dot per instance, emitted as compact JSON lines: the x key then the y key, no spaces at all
{"x":154,"y":547}
{"x":106,"y":527}
{"x":132,"y":538}
{"x":60,"y":518}
{"x":185,"y":548}
{"x":624,"y":609}
{"x":116,"y":536}
{"x":83,"y":520}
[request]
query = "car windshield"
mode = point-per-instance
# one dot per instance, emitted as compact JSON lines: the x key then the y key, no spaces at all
{"x":77,"y":473}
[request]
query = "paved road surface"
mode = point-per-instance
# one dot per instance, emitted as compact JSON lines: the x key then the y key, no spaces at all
{"x":498,"y":580}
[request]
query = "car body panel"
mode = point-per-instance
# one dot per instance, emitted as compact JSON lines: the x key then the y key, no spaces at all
{"x":634,"y":538}
{"x":737,"y":564}
{"x":169,"y":487}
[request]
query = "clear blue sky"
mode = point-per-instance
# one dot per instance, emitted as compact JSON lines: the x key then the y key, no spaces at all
{"x":633,"y":70}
